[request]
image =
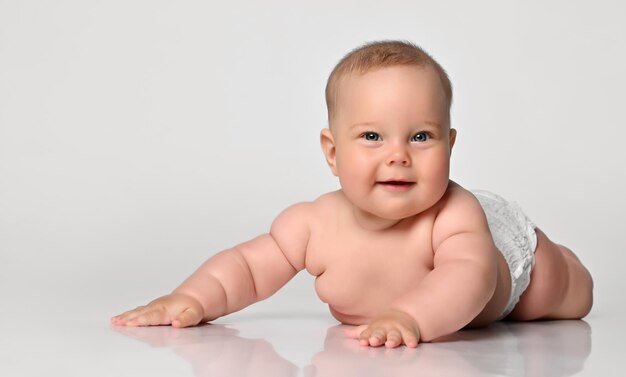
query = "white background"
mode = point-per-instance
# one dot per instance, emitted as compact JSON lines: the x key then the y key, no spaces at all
{"x":137,"y":138}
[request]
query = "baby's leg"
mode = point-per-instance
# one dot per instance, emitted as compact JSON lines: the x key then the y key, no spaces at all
{"x":560,"y":286}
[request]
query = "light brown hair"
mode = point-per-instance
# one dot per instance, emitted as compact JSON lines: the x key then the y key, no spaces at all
{"x":380,"y":54}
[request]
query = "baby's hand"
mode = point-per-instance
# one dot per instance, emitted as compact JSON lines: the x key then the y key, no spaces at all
{"x":392,"y":328}
{"x":175,"y":309}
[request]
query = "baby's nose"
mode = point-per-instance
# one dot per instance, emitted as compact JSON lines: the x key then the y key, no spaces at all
{"x":399,"y":156}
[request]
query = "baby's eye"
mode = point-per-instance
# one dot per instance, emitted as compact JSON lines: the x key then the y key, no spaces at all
{"x":371,"y":136}
{"x":420,"y":137}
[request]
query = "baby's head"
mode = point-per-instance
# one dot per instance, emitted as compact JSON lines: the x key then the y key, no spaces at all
{"x":389,"y":138}
{"x":377,"y":55}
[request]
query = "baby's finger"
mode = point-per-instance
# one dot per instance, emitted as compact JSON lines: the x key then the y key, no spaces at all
{"x":149,"y":318}
{"x":188,"y":317}
{"x":355,"y":332}
{"x":409,"y":337}
{"x":128,"y":316}
{"x":394,"y":338}
{"x":120,"y":319}
{"x":378,"y":337}
{"x":364,"y":337}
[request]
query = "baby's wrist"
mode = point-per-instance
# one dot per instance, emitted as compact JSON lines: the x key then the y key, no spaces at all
{"x":405,"y":318}
{"x":190,"y":300}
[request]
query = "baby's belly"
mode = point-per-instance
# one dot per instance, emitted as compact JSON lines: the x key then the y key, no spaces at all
{"x":349,"y":319}
{"x":358,"y":299}
{"x":355,"y":298}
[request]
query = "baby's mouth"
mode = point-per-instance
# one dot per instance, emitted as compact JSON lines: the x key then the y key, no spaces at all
{"x":396,"y":185}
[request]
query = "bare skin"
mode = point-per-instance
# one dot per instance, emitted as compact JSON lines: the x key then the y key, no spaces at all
{"x":400,"y":251}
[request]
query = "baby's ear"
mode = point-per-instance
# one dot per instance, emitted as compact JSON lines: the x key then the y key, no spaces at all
{"x":452,"y":138}
{"x":328,"y":147}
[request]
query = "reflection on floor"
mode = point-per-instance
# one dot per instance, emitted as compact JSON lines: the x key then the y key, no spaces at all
{"x":556,"y":348}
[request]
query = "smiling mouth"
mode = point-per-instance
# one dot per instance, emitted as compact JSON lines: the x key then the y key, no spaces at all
{"x":396,"y":184}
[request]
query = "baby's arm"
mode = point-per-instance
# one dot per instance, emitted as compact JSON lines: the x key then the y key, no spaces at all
{"x":461,"y":283}
{"x":234,"y":278}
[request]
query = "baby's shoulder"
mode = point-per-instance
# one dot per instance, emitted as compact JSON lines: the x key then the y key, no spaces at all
{"x":327,"y":208}
{"x":308,"y":213}
{"x":458,"y":198}
{"x":329,"y":200}
{"x":459,"y":211}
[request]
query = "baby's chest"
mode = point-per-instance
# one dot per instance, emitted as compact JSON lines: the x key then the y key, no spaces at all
{"x":366,"y":272}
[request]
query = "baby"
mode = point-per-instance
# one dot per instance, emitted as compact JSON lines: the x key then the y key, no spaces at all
{"x":400,"y":251}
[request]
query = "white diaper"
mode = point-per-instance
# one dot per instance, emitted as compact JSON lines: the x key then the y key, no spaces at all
{"x":514,"y":235}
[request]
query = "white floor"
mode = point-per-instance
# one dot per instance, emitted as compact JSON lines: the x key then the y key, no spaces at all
{"x":74,"y":339}
{"x":137,"y":138}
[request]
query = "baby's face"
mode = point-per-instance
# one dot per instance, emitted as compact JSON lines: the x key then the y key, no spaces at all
{"x":390,"y":141}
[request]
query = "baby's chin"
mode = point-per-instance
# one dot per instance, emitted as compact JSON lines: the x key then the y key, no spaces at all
{"x":386,"y":211}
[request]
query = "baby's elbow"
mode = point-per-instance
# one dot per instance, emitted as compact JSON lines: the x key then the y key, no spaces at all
{"x":486,"y":281}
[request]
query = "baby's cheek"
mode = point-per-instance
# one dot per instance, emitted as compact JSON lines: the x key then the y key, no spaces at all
{"x":352,"y":186}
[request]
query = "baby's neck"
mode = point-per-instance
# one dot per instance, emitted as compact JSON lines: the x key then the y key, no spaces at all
{"x":369,"y":221}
